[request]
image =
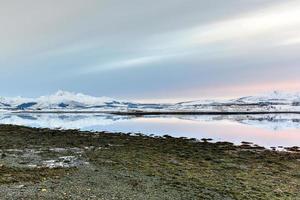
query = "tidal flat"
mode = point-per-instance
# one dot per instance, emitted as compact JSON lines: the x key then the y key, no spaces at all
{"x":72,"y":164}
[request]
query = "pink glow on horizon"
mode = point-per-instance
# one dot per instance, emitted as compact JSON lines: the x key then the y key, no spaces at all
{"x":229,"y":92}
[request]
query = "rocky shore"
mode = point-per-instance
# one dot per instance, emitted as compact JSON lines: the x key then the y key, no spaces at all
{"x":72,"y":164}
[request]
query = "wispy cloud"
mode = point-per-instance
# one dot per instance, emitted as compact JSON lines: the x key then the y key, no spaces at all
{"x":291,"y":41}
{"x":125,"y":63}
{"x":274,"y":22}
{"x":185,"y":44}
{"x":262,"y":28}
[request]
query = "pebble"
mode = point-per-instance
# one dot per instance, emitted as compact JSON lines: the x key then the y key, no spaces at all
{"x":20,"y":186}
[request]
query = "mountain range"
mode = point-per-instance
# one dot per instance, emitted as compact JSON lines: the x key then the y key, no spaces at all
{"x":63,"y":101}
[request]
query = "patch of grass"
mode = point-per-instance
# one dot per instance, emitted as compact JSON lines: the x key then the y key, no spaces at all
{"x":15,"y":175}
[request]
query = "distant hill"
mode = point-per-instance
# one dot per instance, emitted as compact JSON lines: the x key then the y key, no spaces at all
{"x":67,"y":101}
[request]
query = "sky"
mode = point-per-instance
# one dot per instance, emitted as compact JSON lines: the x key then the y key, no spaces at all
{"x":168,"y":50}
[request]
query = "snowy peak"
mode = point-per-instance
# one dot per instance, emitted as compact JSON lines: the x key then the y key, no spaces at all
{"x":272,"y":97}
{"x":61,"y":100}
{"x":269,"y":102}
{"x":275,"y":97}
{"x":64,"y":96}
{"x":69,"y":101}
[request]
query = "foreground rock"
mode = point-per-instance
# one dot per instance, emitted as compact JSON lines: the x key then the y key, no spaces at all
{"x":59,"y":164}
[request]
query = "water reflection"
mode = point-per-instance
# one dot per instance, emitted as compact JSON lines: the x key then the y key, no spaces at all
{"x":266,"y":130}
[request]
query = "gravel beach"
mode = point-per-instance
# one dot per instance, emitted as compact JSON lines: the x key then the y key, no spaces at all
{"x":72,"y":164}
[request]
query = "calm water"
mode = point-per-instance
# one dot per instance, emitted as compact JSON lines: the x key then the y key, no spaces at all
{"x":265,"y":130}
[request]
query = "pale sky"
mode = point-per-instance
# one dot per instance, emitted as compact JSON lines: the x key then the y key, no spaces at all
{"x":149,"y":50}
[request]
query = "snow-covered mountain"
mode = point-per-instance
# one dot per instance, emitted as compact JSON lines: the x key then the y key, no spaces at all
{"x":68,"y":101}
{"x":270,"y":102}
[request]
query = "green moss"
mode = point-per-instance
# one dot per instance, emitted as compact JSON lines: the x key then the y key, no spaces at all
{"x":16,"y":175}
{"x":199,"y":169}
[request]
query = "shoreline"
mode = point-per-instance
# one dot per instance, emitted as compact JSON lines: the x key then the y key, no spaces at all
{"x":145,"y":113}
{"x":60,"y":164}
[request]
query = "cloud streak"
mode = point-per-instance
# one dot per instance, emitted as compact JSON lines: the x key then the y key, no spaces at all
{"x":107,"y":47}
